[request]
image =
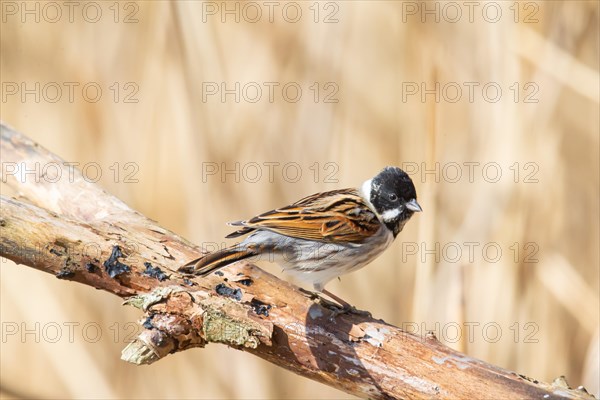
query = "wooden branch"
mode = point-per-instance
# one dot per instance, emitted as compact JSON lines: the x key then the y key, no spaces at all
{"x":76,"y":231}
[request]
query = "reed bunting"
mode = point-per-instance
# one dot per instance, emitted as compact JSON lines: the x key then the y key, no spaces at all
{"x":325,"y":235}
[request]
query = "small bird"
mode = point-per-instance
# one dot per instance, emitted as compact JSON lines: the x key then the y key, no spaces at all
{"x":323,"y":236}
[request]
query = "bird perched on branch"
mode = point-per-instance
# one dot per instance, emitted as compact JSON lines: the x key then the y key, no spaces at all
{"x":323,"y":236}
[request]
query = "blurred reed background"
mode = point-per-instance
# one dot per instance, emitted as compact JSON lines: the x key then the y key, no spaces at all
{"x":533,"y":309}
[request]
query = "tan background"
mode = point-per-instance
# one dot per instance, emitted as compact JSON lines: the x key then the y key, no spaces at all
{"x":539,"y":318}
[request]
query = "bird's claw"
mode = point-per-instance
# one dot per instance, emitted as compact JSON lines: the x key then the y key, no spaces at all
{"x":349,"y":310}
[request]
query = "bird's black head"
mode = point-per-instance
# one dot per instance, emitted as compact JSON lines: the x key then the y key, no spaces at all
{"x":394,"y":197}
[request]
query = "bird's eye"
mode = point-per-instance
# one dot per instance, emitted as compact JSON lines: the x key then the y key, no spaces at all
{"x":393,"y":197}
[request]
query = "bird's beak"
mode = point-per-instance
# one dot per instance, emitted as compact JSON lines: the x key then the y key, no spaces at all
{"x":413,"y":206}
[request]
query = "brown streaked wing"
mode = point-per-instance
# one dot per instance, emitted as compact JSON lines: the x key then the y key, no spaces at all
{"x":339,"y":215}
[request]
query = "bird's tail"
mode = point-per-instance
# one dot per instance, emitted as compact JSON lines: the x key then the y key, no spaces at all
{"x":217,"y":260}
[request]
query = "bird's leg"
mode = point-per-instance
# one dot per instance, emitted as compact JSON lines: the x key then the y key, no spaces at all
{"x":335,"y":301}
{"x":317,"y":295}
{"x":341,"y":306}
{"x":346,"y":307}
